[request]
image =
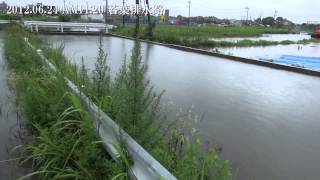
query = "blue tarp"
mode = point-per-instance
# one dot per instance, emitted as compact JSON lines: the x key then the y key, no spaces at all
{"x":291,"y":60}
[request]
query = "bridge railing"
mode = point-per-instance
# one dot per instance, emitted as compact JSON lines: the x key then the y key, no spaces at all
{"x":35,"y":25}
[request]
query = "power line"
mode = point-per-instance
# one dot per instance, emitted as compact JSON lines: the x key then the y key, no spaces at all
{"x":123,"y":16}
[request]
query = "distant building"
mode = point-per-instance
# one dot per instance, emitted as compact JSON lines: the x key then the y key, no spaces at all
{"x":235,"y":22}
{"x":167,"y":13}
{"x":93,"y":17}
{"x":3,"y":7}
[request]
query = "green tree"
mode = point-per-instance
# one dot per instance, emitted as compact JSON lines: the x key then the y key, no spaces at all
{"x":268,"y":21}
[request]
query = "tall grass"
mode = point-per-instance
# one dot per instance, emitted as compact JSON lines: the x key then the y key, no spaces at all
{"x":101,"y":74}
{"x":136,"y":107}
{"x":65,"y":144}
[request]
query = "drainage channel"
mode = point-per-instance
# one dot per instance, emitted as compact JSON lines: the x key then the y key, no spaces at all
{"x":12,"y":131}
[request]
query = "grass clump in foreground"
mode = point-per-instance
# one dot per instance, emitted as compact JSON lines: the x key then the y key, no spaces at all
{"x":65,"y":144}
{"x":130,"y":100}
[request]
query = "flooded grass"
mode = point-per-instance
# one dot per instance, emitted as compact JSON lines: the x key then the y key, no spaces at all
{"x":200,"y":36}
{"x":248,"y":43}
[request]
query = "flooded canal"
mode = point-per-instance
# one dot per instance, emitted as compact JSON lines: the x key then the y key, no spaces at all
{"x":266,"y":120}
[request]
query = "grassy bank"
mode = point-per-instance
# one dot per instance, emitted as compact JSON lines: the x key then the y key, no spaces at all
{"x":65,"y":145}
{"x":200,"y":36}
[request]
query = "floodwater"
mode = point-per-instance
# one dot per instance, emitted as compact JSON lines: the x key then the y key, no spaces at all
{"x":266,"y":120}
{"x":310,"y":50}
{"x":302,"y":52}
{"x":11,"y":129}
{"x":268,"y":37}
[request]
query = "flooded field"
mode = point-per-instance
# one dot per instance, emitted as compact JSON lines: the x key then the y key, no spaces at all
{"x":266,"y":120}
{"x":275,"y":53}
{"x":268,"y":37}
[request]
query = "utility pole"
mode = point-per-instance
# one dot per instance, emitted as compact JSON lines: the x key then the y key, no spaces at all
{"x":136,"y":31}
{"x":107,"y":9}
{"x":149,"y":17}
{"x":64,"y":6}
{"x":123,"y":16}
{"x":87,"y":10}
{"x":247,"y":9}
{"x":189,"y":12}
{"x":275,"y":14}
{"x":260,"y":18}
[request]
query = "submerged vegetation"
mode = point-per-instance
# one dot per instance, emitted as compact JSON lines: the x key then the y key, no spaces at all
{"x":201,"y":36}
{"x":65,"y":144}
{"x":168,"y":32}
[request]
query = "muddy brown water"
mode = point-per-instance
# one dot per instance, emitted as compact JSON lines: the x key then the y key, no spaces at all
{"x":266,"y":120}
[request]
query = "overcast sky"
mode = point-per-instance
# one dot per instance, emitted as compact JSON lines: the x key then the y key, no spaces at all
{"x":296,"y":10}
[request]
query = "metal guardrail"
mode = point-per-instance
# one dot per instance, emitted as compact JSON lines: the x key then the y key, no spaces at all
{"x":5,"y":21}
{"x":60,"y":26}
{"x":145,"y":167}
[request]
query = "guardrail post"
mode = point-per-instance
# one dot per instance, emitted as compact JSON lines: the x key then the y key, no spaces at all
{"x":31,"y":28}
{"x":37,"y":28}
{"x":61,"y":28}
{"x":85,"y":29}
